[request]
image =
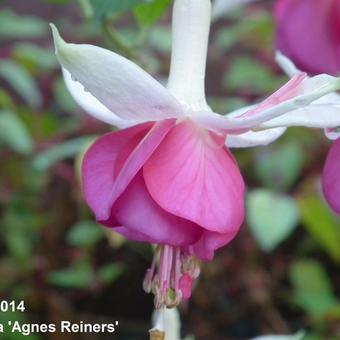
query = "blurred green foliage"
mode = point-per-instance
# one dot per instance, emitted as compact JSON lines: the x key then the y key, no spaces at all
{"x":312,"y":289}
{"x":14,"y":133}
{"x":23,"y":27}
{"x":50,"y":247}
{"x":271,"y":217}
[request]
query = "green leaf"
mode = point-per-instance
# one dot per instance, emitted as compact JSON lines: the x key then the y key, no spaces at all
{"x":103,"y":8}
{"x":297,"y":336}
{"x":85,"y":234}
{"x":21,"y":81}
{"x":250,"y":75}
{"x":257,"y":31}
{"x":14,"y":133}
{"x":19,"y":227}
{"x":160,"y":39}
{"x":63,"y":97}
{"x":41,"y":57}
{"x":17,"y":26}
{"x":223,"y":104}
{"x":59,"y":152}
{"x":19,"y":246}
{"x":5,"y":317}
{"x":279,"y":166}
{"x":148,"y":13}
{"x":321,"y":223}
{"x":110,"y":272}
{"x":6,"y":101}
{"x":271,"y":217}
{"x":312,"y":287}
{"x":80,"y":275}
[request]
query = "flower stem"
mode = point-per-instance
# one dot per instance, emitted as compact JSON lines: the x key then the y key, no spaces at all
{"x":86,"y":8}
{"x":115,"y":41}
{"x":155,"y":334}
{"x":190,"y":34}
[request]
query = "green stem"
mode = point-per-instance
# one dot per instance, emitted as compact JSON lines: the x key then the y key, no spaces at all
{"x":86,"y":8}
{"x":115,"y":41}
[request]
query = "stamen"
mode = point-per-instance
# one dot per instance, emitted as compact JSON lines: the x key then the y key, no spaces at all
{"x":147,"y":283}
{"x":171,"y":275}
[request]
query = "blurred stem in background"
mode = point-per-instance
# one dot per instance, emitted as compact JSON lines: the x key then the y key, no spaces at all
{"x":114,"y":40}
{"x":86,"y":8}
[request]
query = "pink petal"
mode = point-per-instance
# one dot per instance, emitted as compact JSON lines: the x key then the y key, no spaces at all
{"x":193,"y":175}
{"x":132,"y":235}
{"x":211,"y":241}
{"x":331,"y":177}
{"x":288,"y":91}
{"x":113,"y":161}
{"x":100,"y":163}
{"x":138,"y":212}
{"x":308,"y":33}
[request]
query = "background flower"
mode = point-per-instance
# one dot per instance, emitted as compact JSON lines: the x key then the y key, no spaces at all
{"x":318,"y":51}
{"x":308,"y":33}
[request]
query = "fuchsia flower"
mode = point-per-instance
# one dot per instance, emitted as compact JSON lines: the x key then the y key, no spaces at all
{"x":308,"y":32}
{"x":168,"y":176}
{"x":319,"y":51}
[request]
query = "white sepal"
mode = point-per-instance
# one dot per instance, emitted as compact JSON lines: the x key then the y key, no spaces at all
{"x":91,"y":104}
{"x":119,"y":84}
{"x":333,"y":133}
{"x":286,"y":64}
{"x":313,"y":116}
{"x":311,"y":90}
{"x":254,"y":138}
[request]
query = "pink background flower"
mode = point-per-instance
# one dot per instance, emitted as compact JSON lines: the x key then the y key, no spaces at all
{"x":308,"y":32}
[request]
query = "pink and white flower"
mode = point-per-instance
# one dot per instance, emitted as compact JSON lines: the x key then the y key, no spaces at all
{"x":168,"y":177}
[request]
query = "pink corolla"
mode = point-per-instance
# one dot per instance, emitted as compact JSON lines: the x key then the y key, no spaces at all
{"x":308,"y":32}
{"x":168,"y":177}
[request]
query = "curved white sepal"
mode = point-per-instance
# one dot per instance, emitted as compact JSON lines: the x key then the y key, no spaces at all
{"x":254,"y":138}
{"x":119,"y":84}
{"x":91,"y":104}
{"x":312,"y":89}
{"x":333,"y":133}
{"x":323,"y":113}
{"x":313,"y":116}
{"x":331,"y":101}
{"x":286,"y":64}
